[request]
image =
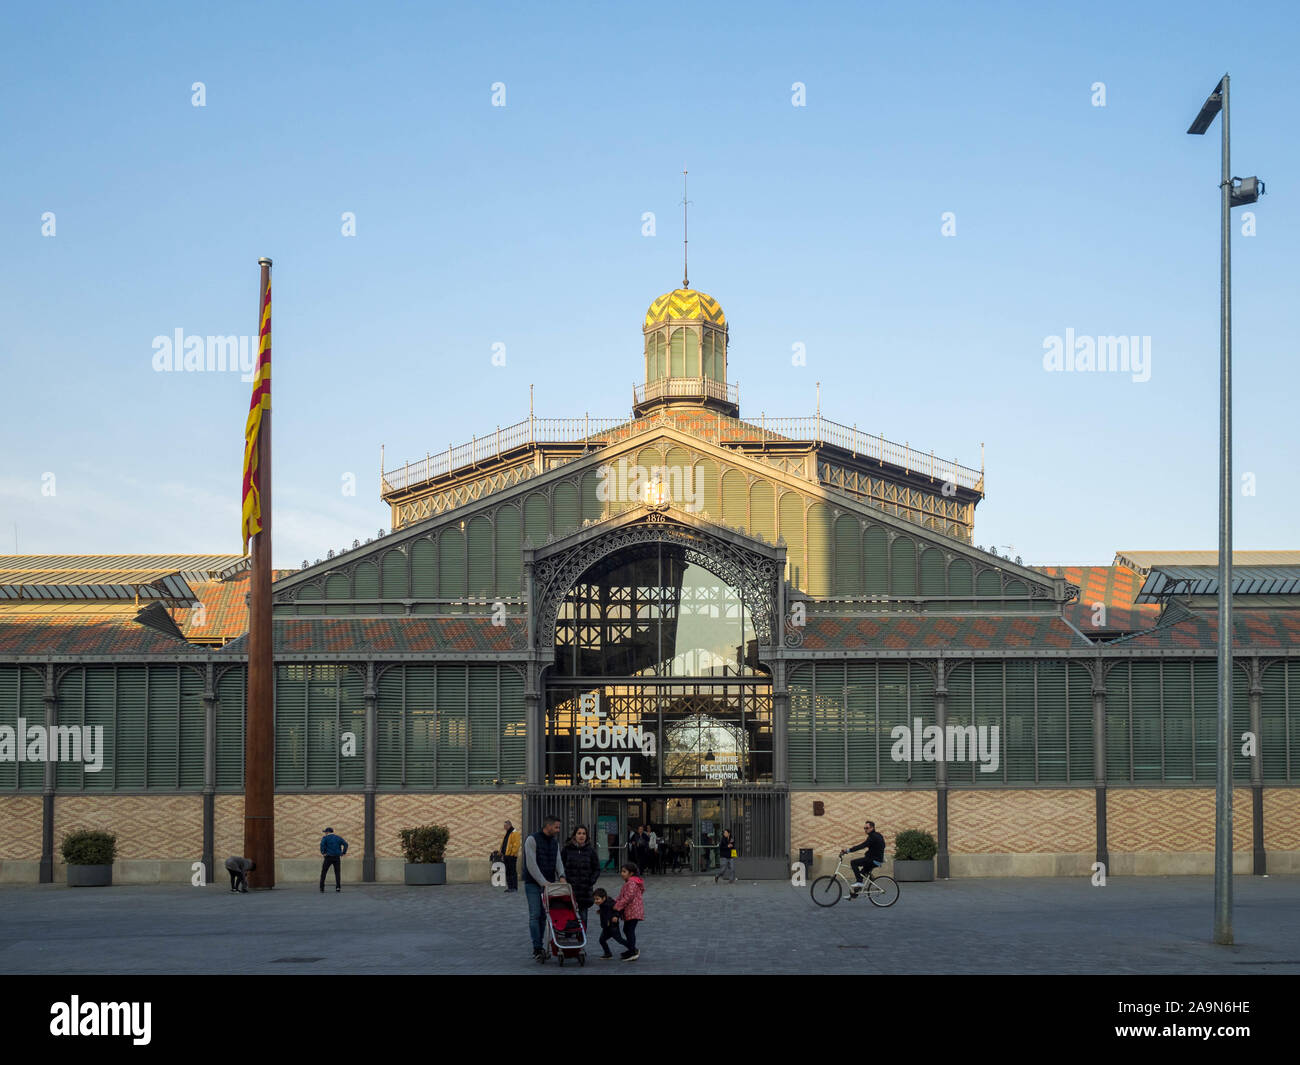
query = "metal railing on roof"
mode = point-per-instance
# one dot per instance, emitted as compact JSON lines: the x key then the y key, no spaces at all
{"x":723,"y":430}
{"x":686,"y":388}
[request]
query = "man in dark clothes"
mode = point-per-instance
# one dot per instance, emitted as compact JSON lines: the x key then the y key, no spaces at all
{"x":237,"y":867}
{"x":542,"y":865}
{"x":333,"y":847}
{"x":875,"y":845}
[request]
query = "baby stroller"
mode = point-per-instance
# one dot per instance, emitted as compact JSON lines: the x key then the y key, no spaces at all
{"x":568,"y":939}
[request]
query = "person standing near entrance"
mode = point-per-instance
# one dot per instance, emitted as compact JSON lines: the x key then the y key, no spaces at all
{"x":510,"y":856}
{"x":582,"y":867}
{"x":727,"y":857}
{"x":652,"y":849}
{"x":333,"y":848}
{"x":542,"y":865}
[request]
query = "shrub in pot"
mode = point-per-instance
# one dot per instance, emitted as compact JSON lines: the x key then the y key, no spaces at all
{"x":89,"y":854}
{"x":425,"y":848}
{"x":914,"y":851}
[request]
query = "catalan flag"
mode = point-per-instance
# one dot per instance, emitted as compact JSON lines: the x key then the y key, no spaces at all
{"x":261,"y":401}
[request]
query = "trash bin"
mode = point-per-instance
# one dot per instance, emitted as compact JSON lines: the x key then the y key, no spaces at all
{"x":806,"y":857}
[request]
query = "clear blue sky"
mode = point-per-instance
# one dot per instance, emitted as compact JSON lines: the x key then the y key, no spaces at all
{"x":521,"y":225}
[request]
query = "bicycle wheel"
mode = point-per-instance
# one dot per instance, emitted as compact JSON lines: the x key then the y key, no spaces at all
{"x":885,"y":893}
{"x":826,"y":890}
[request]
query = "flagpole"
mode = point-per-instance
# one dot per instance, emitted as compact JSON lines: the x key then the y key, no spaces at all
{"x":259,"y":730}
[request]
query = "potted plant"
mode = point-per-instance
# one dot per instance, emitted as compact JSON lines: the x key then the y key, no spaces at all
{"x":424,"y":848}
{"x":89,"y":854}
{"x":914,"y":851}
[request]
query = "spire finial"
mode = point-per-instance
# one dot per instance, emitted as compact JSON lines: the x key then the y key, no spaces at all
{"x":686,"y":277}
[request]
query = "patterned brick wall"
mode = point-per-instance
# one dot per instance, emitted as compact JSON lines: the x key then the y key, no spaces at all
{"x":1281,"y":819}
{"x":227,"y":828}
{"x":300,"y":819}
{"x":20,"y":828}
{"x":475,"y":820}
{"x":148,"y":827}
{"x":1172,"y":819}
{"x":1042,"y":821}
{"x":847,"y":810}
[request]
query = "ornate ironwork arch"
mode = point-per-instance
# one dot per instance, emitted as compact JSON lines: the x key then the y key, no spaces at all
{"x":751,"y":573}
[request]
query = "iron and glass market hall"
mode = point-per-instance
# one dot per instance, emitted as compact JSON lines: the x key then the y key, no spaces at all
{"x":684,"y":619}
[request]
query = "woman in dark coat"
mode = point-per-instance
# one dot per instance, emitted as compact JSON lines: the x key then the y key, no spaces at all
{"x":581,"y":869}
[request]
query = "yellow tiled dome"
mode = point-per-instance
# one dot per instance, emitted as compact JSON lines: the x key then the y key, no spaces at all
{"x":685,"y":303}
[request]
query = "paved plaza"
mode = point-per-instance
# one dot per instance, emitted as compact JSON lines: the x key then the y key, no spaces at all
{"x":1133,"y":925}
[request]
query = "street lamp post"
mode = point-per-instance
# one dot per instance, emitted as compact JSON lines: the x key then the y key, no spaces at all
{"x":1234,"y":192}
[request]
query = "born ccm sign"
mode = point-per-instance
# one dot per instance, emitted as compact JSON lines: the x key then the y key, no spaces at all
{"x":595,"y":734}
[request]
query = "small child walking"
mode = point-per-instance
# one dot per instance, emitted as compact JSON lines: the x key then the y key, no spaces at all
{"x":608,"y":921}
{"x":631,"y":907}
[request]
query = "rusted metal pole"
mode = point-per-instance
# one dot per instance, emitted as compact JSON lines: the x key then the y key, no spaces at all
{"x":259,"y":731}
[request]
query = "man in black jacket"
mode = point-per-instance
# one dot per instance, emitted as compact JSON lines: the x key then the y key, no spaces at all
{"x":542,"y":865}
{"x":875,"y":845}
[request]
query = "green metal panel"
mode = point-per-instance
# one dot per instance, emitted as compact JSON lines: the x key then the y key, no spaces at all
{"x":566,"y":508}
{"x":1079,"y":694}
{"x":711,"y":356}
{"x":1119,"y":731}
{"x":1016,"y":588}
{"x":1146,"y":721}
{"x":452,"y":578}
{"x":1241,"y":763}
{"x":960,"y":581}
{"x":902,"y":567}
{"x":692,"y":354}
{"x":482,"y":549}
{"x":828,"y":716}
{"x":921,"y":706}
{"x":799,"y":726}
{"x":1273,"y":720}
{"x":290,"y":725}
{"x":422,"y":695}
{"x":230,"y":729}
{"x":762,"y":510}
{"x":1205,"y":715}
{"x":821,"y":550}
{"x":69,"y":711}
{"x":132,"y":728}
{"x":193,"y":728}
{"x":514,"y":727}
{"x":453,"y":727}
{"x":537,"y":518}
{"x":509,"y":551}
{"x":101,"y":698}
{"x":649,"y":459}
{"x":389,"y":726}
{"x":395,"y":579}
{"x":593,"y":508}
{"x":860,"y":721}
{"x":893,"y":713}
{"x":424,"y":573}
{"x":932,"y":572}
{"x":1018,"y":736}
{"x":677,"y":353}
{"x":988,"y":697}
{"x":324,"y":734}
{"x":791,"y":528}
{"x":707,"y":472}
{"x":735,"y":500}
{"x":337,"y":586}
{"x":484,"y":725}
{"x":848,"y":555}
{"x":1178,"y":717}
{"x":365,"y":583}
{"x":960,"y":714}
{"x":875,"y":557}
{"x":988,"y":583}
{"x":352,"y":719}
{"x":308,"y":598}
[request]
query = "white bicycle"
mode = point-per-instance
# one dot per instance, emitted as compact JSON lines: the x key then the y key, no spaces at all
{"x":828,"y":890}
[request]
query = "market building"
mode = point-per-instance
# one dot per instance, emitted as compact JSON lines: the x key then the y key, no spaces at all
{"x":680,"y":617}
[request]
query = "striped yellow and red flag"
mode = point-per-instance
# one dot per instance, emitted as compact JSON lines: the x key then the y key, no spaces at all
{"x":261,"y":401}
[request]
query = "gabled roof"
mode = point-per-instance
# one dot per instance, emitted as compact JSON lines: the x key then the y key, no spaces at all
{"x":1143,"y":561}
{"x":398,"y":635}
{"x":55,"y":631}
{"x":1113,"y":587}
{"x":111,"y":576}
{"x":1165,"y":581}
{"x":654,"y":432}
{"x":963,"y":633}
{"x":1251,"y":630}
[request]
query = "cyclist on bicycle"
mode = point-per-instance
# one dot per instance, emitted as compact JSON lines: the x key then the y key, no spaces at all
{"x":875,"y":847}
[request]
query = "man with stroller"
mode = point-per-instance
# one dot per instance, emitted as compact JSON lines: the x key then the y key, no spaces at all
{"x":875,"y":845}
{"x":542,"y":865}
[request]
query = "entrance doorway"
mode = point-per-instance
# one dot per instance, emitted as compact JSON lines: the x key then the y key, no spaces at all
{"x":686,"y":832}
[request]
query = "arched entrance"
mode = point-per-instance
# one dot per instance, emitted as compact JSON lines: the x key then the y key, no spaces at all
{"x":655,"y":690}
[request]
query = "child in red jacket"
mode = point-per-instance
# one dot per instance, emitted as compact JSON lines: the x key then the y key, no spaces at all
{"x":631,"y":908}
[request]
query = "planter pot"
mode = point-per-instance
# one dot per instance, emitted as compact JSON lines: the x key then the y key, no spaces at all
{"x":90,"y":876}
{"x":426,"y":873}
{"x":913,"y":872}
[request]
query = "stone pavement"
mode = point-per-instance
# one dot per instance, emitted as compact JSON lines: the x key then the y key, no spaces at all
{"x":1133,"y":925}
